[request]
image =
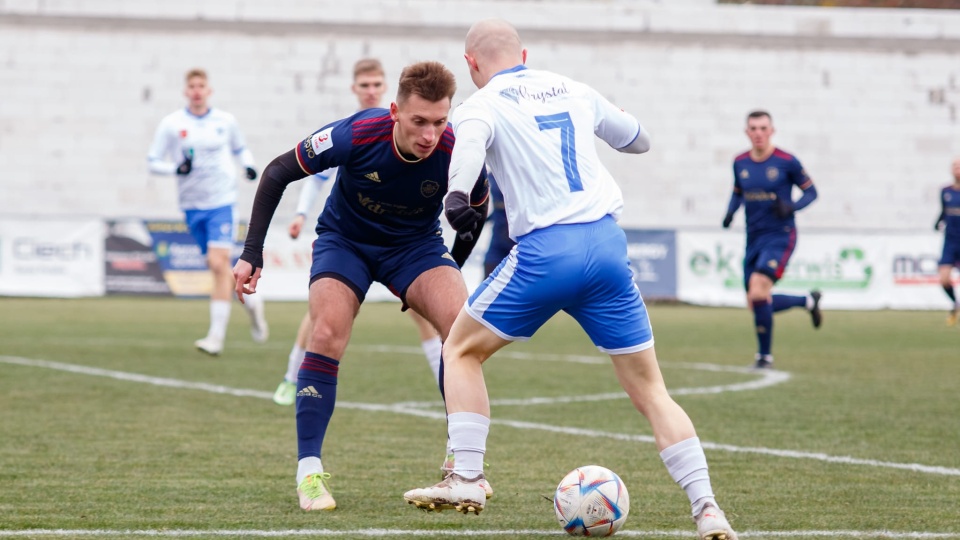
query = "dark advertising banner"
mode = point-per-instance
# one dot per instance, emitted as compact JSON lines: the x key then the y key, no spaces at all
{"x":653,"y":260}
{"x":154,"y":257}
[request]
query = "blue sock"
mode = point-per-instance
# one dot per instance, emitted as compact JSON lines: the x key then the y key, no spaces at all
{"x":763,"y":320}
{"x":316,"y":398}
{"x":784,"y":301}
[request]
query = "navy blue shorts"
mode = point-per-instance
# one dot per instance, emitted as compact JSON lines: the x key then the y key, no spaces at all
{"x":358,"y":265}
{"x":769,"y":255}
{"x":951,"y":252}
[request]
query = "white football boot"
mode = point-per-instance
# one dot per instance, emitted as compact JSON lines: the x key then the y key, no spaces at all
{"x":453,"y":492}
{"x":447,"y":469}
{"x":210,"y":345}
{"x":712,"y":524}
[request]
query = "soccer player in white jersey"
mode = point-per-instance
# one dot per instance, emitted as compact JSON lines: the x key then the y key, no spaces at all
{"x":535,"y":130}
{"x":369,"y":85}
{"x":198,"y":144}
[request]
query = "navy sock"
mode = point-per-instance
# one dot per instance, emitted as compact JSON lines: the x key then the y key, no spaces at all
{"x":440,"y":379}
{"x":316,"y":398}
{"x":949,"y":290}
{"x":763,"y":320}
{"x":784,"y":301}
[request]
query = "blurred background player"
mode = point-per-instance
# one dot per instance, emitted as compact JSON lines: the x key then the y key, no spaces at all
{"x":949,"y":219}
{"x":380,"y":223}
{"x":369,"y":85}
{"x":763,"y":180}
{"x":198,"y":144}
{"x":500,"y":241}
{"x":537,"y":131}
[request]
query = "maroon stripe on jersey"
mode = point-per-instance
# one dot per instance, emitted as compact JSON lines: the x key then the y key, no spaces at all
{"x":374,"y":120}
{"x":302,"y":161}
{"x":446,"y":148}
{"x":782,"y":155}
{"x":371,"y":128}
{"x":743,"y":156}
{"x":371,"y":140}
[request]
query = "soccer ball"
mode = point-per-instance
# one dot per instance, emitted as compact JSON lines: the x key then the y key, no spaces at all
{"x":591,"y":501}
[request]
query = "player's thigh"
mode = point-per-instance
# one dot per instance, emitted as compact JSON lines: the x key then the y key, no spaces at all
{"x":335,"y":257}
{"x":609,"y":307}
{"x":470,"y":338}
{"x":333,"y":307}
{"x":438,"y":295}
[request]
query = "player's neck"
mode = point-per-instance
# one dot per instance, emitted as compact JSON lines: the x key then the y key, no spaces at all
{"x":199,"y":111}
{"x":761,"y":154}
{"x":404,"y":154}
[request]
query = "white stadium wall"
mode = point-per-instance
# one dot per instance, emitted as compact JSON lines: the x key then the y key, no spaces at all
{"x":867,"y":98}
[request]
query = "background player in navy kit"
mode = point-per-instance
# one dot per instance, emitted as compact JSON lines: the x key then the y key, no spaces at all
{"x":203,"y":142}
{"x":500,"y":242}
{"x":949,"y":218}
{"x":763,"y":180}
{"x":368,"y":86}
{"x":381,"y":224}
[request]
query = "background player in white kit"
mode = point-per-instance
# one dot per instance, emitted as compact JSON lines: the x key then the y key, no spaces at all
{"x":369,"y":85}
{"x":198,"y":144}
{"x":535,"y":129}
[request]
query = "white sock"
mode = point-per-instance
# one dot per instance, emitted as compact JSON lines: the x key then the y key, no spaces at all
{"x":293,"y":363}
{"x":219,"y":318}
{"x":431,"y":348}
{"x":809,"y":302}
{"x":687,"y":465}
{"x":308,"y":466}
{"x":468,"y":439}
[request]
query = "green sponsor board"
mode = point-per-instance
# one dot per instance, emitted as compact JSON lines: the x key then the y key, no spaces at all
{"x":849,"y":268}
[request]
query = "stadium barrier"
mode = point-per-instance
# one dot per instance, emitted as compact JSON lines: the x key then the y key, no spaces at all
{"x":74,"y":257}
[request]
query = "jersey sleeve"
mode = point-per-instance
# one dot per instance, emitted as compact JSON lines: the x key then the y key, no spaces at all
{"x":481,"y":190}
{"x":328,"y":147}
{"x":737,"y":188}
{"x":798,"y":176}
{"x":160,"y":148}
{"x":470,"y":110}
{"x":612,"y":124}
{"x":238,"y":145}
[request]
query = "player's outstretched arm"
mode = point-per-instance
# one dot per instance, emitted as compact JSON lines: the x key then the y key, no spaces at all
{"x":736,"y":199}
{"x":943,"y":214}
{"x":279,"y":173}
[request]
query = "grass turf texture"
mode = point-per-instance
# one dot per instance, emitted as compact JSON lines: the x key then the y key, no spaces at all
{"x":87,"y":452}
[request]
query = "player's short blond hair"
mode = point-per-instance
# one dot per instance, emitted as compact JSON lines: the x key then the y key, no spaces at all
{"x":367,"y":66}
{"x":195,"y":72}
{"x":430,"y":80}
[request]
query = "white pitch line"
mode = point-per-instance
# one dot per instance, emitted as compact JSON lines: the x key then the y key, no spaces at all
{"x":423,"y":413}
{"x":406,"y":533}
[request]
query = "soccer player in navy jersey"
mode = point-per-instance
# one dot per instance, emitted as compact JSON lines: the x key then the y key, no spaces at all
{"x":949,"y":219}
{"x":198,"y":144}
{"x":381,"y":224}
{"x":763,"y":181}
{"x":500,"y":242}
{"x":369,"y":85}
{"x":537,"y":132}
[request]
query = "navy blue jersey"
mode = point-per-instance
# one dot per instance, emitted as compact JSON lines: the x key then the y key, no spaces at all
{"x":379,"y":197}
{"x":763,"y":183}
{"x":950,"y":199}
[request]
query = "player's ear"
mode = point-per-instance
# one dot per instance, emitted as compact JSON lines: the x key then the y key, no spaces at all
{"x":471,"y":63}
{"x":524,"y":55}
{"x":394,"y":111}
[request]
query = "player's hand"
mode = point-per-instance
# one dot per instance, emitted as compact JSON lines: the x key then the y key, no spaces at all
{"x":936,"y":226}
{"x":246,"y":278}
{"x":727,"y":220}
{"x":461,"y":215}
{"x":296,"y":226}
{"x":185,"y":167}
{"x":783,"y":208}
{"x":251,"y":173}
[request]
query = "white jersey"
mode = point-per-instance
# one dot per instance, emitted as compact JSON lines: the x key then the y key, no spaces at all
{"x":212,"y":140}
{"x":541,"y":147}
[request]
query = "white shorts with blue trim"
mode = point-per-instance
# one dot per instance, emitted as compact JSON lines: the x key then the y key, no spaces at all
{"x":581,"y":269}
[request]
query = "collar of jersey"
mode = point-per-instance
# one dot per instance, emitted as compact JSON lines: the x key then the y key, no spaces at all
{"x":204,"y":115}
{"x":396,"y":149}
{"x":514,"y":69}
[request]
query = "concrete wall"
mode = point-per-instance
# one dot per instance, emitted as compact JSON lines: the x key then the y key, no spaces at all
{"x":868,"y":99}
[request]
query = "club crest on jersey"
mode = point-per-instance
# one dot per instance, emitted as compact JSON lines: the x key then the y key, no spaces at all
{"x":429,"y":188}
{"x":773,"y":173}
{"x":183,"y":134}
{"x":744,"y":174}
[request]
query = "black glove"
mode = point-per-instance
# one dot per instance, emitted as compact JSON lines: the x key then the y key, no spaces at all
{"x":727,"y":220}
{"x":251,"y":173}
{"x":185,"y":167}
{"x":936,"y":226}
{"x":783,"y":208}
{"x":461,"y":216}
